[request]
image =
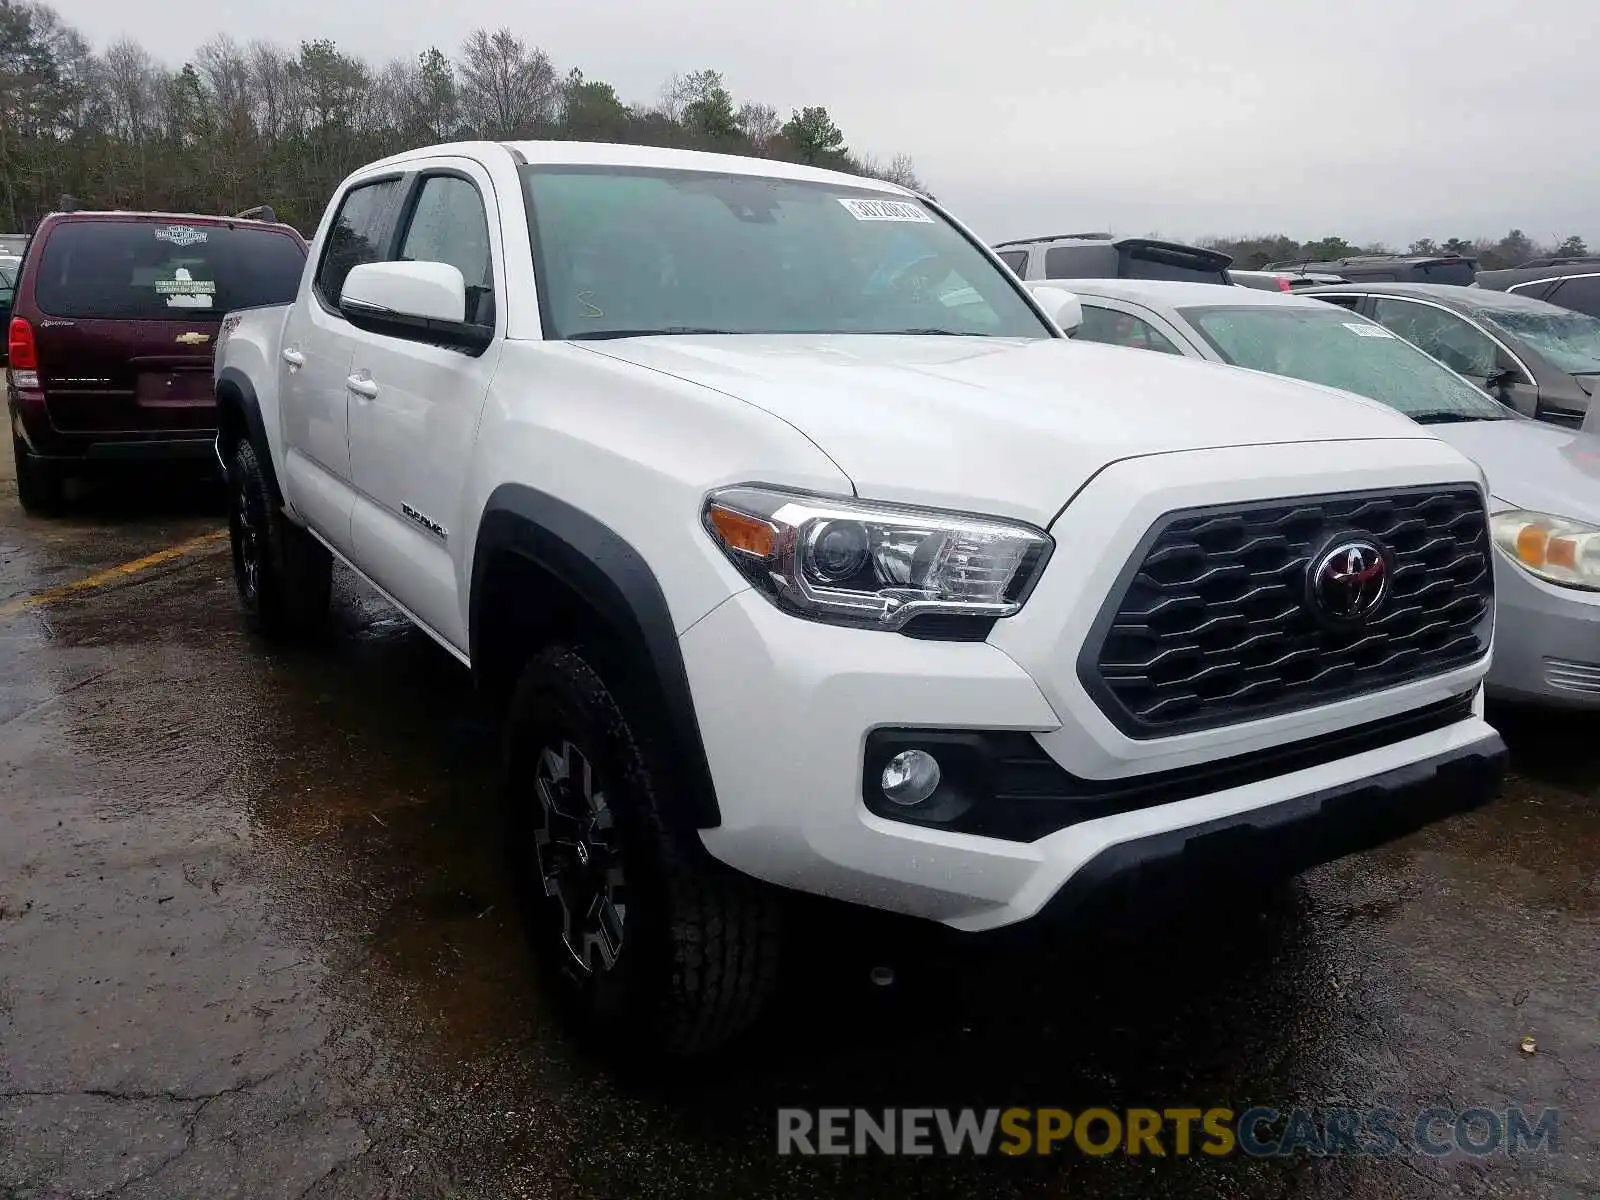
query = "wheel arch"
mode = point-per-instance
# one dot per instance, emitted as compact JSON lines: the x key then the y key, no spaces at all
{"x":239,"y":419}
{"x":593,"y":581}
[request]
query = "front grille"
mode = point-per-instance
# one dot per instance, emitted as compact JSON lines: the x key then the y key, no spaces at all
{"x":1209,"y":624}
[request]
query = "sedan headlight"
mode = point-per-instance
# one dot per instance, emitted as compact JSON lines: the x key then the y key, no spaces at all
{"x":1556,"y":549}
{"x":872,"y":565}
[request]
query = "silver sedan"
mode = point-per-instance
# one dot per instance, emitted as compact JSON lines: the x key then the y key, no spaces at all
{"x":1544,"y":480}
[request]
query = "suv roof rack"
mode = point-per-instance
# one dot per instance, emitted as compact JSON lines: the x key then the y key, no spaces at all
{"x":261,"y":212}
{"x":1059,"y":237}
{"x":1559,"y":260}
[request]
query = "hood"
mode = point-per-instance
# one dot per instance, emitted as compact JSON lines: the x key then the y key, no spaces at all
{"x":1006,"y":427}
{"x":1533,"y":465}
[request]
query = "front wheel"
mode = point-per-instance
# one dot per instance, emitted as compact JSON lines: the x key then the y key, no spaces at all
{"x":283,"y":574}
{"x":656,"y":949}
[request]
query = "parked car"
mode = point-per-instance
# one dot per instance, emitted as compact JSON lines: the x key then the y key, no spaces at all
{"x":8,"y":287}
{"x":795,"y":564}
{"x":1539,"y":359}
{"x":1544,"y":482}
{"x":13,"y":245}
{"x":111,"y":333}
{"x":1280,"y":281}
{"x":1390,"y":268}
{"x":1569,"y":282}
{"x":1102,"y":256}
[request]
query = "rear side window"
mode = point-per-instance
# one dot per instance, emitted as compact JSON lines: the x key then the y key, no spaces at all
{"x":154,"y":271}
{"x":1017,"y":260}
{"x":1538,"y":290}
{"x":1122,"y":329}
{"x":356,"y":236}
{"x":1580,"y":295}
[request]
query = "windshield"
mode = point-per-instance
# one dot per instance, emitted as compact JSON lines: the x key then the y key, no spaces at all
{"x":147,"y":270}
{"x":623,"y":251}
{"x":1570,"y":340}
{"x":1339,"y":349}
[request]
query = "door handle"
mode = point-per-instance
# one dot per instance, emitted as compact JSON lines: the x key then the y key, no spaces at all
{"x":294,"y":358}
{"x":362,"y":385}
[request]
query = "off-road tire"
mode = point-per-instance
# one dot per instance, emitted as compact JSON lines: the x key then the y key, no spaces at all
{"x":40,"y":485}
{"x":698,"y":955}
{"x":285,"y":596}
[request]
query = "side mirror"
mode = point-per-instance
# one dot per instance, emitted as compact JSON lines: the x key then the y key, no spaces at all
{"x":419,"y":301}
{"x":1063,"y":306}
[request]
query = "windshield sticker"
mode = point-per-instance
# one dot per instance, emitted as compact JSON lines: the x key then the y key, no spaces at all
{"x":1362,"y":329}
{"x":180,"y":235}
{"x":884,"y":210}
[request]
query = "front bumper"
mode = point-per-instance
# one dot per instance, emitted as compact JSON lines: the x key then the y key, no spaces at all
{"x":786,"y":707}
{"x":1547,"y":641}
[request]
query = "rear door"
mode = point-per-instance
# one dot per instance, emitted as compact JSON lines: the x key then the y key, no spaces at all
{"x":125,"y":315}
{"x":1581,"y":293}
{"x":315,"y":361}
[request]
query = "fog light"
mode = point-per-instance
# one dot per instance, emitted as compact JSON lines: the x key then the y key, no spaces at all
{"x":910,"y":777}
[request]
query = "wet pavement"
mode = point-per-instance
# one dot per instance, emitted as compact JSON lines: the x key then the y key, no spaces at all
{"x":255,"y":941}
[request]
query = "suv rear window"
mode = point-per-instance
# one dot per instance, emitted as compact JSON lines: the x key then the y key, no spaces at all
{"x":153,"y":271}
{"x":1154,"y":262}
{"x":1459,"y":273}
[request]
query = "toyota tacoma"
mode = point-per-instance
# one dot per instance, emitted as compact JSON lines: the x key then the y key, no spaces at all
{"x":805,"y":550}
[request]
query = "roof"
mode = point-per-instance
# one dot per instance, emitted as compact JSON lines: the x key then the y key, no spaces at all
{"x":134,"y":214}
{"x":622,"y":154}
{"x":1173,"y":293}
{"x":1453,"y":295}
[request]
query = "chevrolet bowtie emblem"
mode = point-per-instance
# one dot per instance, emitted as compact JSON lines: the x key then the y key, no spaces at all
{"x":193,"y":339}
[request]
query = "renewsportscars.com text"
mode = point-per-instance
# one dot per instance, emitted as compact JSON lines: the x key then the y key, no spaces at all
{"x":1160,"y":1132}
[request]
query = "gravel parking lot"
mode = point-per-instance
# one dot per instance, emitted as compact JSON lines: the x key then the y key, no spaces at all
{"x":255,"y":942}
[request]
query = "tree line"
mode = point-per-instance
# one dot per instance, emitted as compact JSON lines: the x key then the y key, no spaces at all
{"x":1250,"y":253}
{"x":240,"y":125}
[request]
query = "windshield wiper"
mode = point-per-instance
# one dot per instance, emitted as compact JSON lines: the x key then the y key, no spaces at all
{"x":932,"y":331}
{"x":595,"y":335}
{"x":1446,"y":417}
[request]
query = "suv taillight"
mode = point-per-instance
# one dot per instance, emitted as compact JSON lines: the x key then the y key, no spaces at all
{"x":23,"y":355}
{"x":1284,"y":285}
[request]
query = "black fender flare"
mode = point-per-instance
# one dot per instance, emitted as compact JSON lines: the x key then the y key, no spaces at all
{"x":230,"y":381}
{"x":605,"y":572}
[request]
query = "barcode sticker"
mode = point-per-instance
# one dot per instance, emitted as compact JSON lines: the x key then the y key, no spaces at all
{"x":884,"y":210}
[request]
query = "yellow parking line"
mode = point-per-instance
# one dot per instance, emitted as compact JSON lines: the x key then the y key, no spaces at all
{"x":100,"y":578}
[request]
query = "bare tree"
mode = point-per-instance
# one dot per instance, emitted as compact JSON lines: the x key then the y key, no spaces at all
{"x":508,"y":88}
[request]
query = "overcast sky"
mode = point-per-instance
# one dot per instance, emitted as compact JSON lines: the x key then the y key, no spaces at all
{"x":1373,"y":119}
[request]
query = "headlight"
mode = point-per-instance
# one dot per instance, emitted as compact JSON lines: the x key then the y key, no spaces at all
{"x":1553,"y":548}
{"x":874,"y":565}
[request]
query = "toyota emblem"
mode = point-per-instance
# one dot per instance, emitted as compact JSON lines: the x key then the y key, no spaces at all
{"x":1349,"y":581}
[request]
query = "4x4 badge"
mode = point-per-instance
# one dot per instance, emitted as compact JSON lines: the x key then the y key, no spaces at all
{"x":192,"y":339}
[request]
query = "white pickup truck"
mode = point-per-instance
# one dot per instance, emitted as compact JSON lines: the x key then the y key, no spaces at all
{"x":806,"y":550}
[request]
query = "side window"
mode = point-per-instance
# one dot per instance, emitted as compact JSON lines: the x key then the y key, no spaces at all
{"x":355,"y":237}
{"x":449,"y":225}
{"x":1353,"y":303}
{"x":1120,"y":329}
{"x":1080,"y":262}
{"x":1581,"y":295}
{"x":1538,"y":290}
{"x":1444,"y":335}
{"x":1017,"y":260}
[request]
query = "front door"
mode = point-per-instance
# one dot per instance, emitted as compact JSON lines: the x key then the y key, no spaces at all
{"x":414,"y":409}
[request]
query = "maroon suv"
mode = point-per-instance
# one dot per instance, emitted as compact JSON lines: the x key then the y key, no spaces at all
{"x":112,"y":329}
